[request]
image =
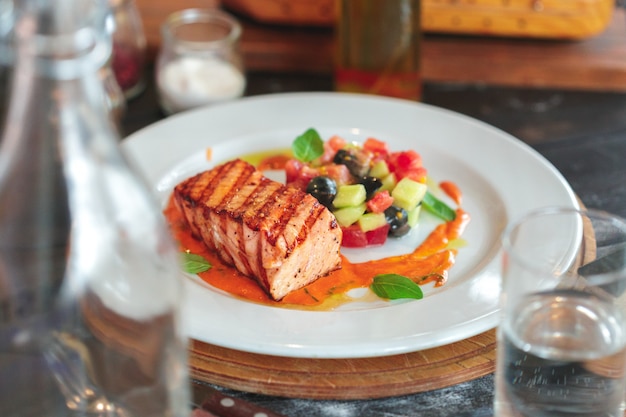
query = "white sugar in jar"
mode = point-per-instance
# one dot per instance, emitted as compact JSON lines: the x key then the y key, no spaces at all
{"x":191,"y":82}
{"x":199,"y":62}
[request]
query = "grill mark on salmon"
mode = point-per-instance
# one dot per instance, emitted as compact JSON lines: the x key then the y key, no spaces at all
{"x":285,"y":213}
{"x":280,"y":236}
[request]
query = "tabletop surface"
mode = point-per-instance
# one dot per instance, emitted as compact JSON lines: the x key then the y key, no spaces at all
{"x":582,"y":133}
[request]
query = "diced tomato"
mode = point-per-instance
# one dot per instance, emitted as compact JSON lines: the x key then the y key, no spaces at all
{"x":336,"y":142}
{"x":353,"y":237}
{"x":405,"y":160}
{"x":331,"y":146}
{"x":377,"y":147}
{"x":292,"y":170}
{"x":407,"y":164}
{"x":418,"y":174}
{"x":380,"y":202}
{"x":338,"y":172}
{"x":306,"y":175}
{"x":298,"y":174}
{"x":377,"y":236}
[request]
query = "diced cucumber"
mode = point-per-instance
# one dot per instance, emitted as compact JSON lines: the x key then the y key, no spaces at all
{"x":349,"y":215}
{"x":371,"y":221}
{"x":389,"y":182}
{"x":349,"y":195}
{"x":408,"y":193}
{"x":414,"y":215}
{"x":380,"y":169}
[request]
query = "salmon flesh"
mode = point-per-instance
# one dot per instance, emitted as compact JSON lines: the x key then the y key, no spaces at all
{"x":280,"y":236}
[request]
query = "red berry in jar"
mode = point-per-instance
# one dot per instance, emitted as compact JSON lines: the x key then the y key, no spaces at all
{"x":127,"y":66}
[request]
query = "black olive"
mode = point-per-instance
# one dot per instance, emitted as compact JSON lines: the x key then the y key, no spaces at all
{"x":398,"y":221}
{"x":324,"y":189}
{"x":371,"y":184}
{"x":356,"y":162}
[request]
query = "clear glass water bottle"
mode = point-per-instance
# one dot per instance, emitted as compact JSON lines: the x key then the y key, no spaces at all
{"x":89,"y":289}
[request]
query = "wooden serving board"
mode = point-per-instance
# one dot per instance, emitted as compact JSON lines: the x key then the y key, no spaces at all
{"x":345,"y":379}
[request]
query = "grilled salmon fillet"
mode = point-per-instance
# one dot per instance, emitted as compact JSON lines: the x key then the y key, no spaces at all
{"x":280,"y":236}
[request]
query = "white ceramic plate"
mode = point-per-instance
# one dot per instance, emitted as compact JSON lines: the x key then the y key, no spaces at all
{"x":501,"y":178}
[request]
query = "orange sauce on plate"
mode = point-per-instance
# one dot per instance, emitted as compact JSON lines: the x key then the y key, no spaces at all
{"x":452,"y":190}
{"x":429,"y":262}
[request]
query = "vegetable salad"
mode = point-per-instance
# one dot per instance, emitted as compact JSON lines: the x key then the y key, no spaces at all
{"x":374,"y":193}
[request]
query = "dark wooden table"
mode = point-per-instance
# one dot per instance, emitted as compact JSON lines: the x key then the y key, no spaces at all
{"x":582,"y":133}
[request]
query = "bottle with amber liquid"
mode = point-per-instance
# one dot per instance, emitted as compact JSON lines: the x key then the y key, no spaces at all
{"x":89,"y":286}
{"x":377,"y":46}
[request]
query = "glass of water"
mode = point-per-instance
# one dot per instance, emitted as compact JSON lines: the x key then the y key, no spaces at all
{"x":562,"y":338}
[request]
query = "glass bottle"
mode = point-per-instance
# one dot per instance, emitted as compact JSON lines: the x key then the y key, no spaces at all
{"x":89,"y":295}
{"x":378,"y":47}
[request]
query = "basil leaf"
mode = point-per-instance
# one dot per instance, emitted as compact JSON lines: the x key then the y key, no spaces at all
{"x":308,"y":146}
{"x":394,"y":286}
{"x":438,"y":207}
{"x":194,"y":264}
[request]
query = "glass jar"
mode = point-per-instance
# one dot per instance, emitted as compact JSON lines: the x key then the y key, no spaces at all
{"x":129,"y":47}
{"x":200,"y":62}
